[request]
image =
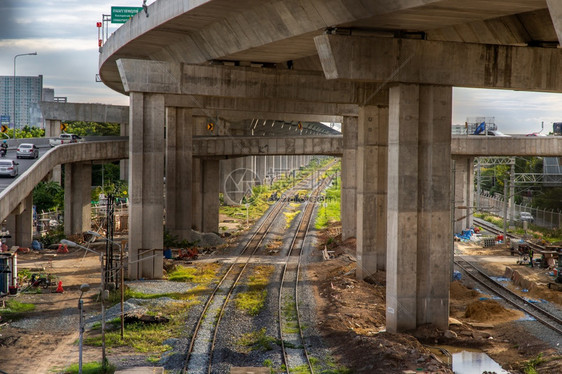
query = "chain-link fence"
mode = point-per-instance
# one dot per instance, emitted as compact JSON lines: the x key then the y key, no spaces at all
{"x":547,"y":218}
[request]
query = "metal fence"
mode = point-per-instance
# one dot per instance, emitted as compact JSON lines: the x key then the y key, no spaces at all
{"x":547,"y":218}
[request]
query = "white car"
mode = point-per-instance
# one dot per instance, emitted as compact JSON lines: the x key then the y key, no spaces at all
{"x":27,"y":150}
{"x":8,"y":168}
{"x":526,"y":216}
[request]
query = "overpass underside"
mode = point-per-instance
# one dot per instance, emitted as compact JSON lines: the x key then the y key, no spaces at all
{"x":386,"y":70}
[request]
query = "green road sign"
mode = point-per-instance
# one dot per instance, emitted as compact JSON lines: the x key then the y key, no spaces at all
{"x":121,"y":14}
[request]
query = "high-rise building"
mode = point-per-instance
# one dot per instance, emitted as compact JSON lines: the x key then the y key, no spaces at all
{"x":28,"y":95}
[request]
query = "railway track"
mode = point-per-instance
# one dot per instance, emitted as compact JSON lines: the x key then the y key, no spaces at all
{"x":293,"y":345}
{"x":546,"y":318}
{"x":199,"y":354}
{"x":493,"y":229}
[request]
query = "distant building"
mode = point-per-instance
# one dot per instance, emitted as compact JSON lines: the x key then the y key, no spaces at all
{"x":28,"y":95}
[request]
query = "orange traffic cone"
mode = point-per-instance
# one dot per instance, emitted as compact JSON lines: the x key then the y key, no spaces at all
{"x":62,"y":248}
{"x":59,"y":288}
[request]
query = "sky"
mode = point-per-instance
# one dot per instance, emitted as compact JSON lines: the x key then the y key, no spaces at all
{"x":64,"y":35}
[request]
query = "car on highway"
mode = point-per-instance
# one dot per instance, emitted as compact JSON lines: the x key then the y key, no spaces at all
{"x":493,"y":133}
{"x":65,"y":139}
{"x":8,"y":168}
{"x":27,"y":150}
{"x":536,"y":134}
{"x":526,"y":216}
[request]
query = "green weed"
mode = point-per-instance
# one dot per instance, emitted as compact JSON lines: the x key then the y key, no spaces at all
{"x":257,"y":340}
{"x":90,"y":368}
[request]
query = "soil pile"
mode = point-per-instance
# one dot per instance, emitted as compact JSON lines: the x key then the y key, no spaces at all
{"x":490,"y":311}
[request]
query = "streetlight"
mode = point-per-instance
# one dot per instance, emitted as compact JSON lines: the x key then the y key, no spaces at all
{"x":83,"y":288}
{"x":14,"y":103}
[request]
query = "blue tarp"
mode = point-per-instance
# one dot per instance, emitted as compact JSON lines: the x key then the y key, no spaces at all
{"x":481,"y":127}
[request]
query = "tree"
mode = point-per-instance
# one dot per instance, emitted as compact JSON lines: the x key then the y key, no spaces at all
{"x":48,"y":196}
{"x":94,"y":128}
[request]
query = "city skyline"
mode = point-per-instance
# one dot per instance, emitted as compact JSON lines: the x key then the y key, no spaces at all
{"x":64,"y":34}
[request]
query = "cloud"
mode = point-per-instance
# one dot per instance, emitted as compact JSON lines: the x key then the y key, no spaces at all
{"x":49,"y":44}
{"x":515,"y":112}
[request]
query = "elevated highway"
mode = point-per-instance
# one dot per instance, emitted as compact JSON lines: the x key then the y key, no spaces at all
{"x":387,"y":68}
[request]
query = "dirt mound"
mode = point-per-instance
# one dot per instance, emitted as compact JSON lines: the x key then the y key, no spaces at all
{"x":460,"y":292}
{"x":490,"y":311}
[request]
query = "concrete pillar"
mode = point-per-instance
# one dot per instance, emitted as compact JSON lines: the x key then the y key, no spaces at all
{"x":464,"y":192}
{"x":349,"y":178}
{"x":210,"y":195}
{"x":146,"y":189}
{"x":124,"y":164}
{"x":20,"y":224}
{"x":232,"y":176}
{"x":261,"y":170}
{"x":77,"y":198}
{"x":52,"y":128}
{"x":372,"y":156}
{"x":196,"y":191}
{"x":179,"y":154}
{"x":419,"y":229}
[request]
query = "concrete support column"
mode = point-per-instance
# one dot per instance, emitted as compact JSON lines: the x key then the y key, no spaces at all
{"x":20,"y":224}
{"x":261,"y":170}
{"x":372,"y":156}
{"x":464,"y":193}
{"x":349,"y":178}
{"x":77,"y":198}
{"x":196,"y":191}
{"x":419,"y":229}
{"x":52,"y":130}
{"x":124,"y":164}
{"x":210,"y":195}
{"x":146,"y":190}
{"x":179,"y":123}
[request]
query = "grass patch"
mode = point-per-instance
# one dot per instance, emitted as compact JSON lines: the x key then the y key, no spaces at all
{"x":144,"y":337}
{"x":253,"y":300}
{"x":531,"y":365}
{"x":289,"y":311}
{"x":289,"y":217}
{"x":15,"y":310}
{"x":330,"y":208}
{"x":90,"y":368}
{"x":202,"y":274}
{"x":257,"y":341}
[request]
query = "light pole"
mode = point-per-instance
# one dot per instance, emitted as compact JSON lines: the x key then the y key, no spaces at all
{"x":14,"y":103}
{"x":83,"y":288}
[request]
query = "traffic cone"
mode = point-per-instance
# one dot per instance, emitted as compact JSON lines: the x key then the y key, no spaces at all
{"x":62,"y":248}
{"x":59,"y":288}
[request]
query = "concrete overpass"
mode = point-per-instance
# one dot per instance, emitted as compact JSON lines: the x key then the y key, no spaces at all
{"x":395,"y":62}
{"x":16,"y":201}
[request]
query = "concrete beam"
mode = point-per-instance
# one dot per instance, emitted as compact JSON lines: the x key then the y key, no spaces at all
{"x":548,"y":146}
{"x":84,"y":112}
{"x":262,"y":106}
{"x":234,"y":82}
{"x":442,"y":63}
{"x":240,"y":146}
{"x":555,"y":9}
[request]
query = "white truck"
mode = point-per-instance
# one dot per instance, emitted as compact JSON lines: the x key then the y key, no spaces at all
{"x":65,"y":139}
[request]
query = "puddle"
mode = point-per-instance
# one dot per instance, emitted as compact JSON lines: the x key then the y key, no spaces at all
{"x":467,"y":360}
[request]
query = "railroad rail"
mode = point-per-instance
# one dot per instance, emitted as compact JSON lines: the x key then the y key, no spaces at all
{"x":546,"y":318}
{"x":290,"y":327}
{"x":494,"y":230}
{"x":209,"y":320}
